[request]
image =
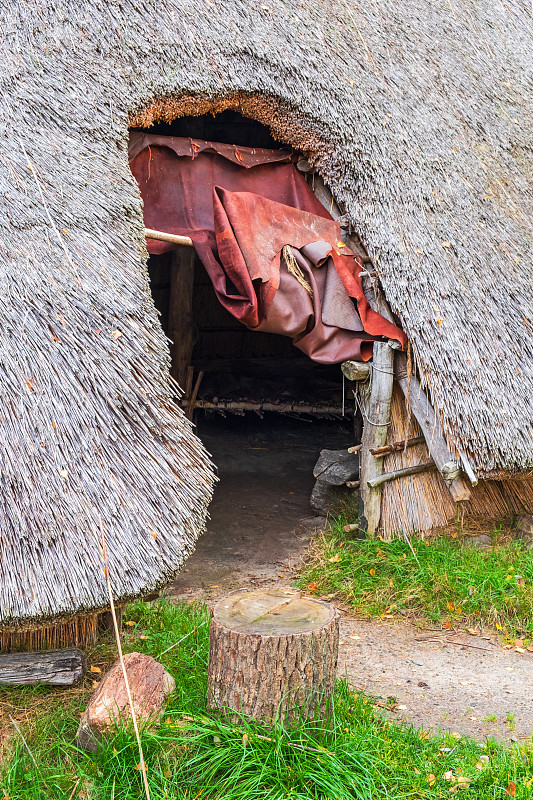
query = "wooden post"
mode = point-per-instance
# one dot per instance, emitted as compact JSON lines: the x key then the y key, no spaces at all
{"x":180,"y":317}
{"x":427,"y":419}
{"x":375,"y":429}
{"x":272,"y":651}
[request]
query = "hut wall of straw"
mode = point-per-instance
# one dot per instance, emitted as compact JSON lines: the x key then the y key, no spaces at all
{"x":418,"y":503}
{"x":418,"y":116}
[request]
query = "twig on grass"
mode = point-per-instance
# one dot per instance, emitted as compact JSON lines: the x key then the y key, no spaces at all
{"x":74,"y":789}
{"x":121,"y":657}
{"x":172,"y":646}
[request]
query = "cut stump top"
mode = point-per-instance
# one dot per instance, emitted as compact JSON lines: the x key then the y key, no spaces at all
{"x":276,"y":611}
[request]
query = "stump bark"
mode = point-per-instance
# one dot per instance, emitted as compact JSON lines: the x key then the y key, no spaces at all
{"x":272,"y":654}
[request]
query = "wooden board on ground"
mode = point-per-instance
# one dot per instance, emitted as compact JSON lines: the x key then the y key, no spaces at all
{"x":272,"y":650}
{"x":52,"y":667}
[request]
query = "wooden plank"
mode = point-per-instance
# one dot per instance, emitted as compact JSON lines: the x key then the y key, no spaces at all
{"x":180,"y":312}
{"x":431,"y":428}
{"x":52,"y":667}
{"x":376,"y":426}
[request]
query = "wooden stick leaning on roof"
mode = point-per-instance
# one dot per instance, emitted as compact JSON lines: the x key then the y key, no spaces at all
{"x":427,"y":419}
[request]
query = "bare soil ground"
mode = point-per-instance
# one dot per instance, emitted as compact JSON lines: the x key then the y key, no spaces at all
{"x":261,"y":522}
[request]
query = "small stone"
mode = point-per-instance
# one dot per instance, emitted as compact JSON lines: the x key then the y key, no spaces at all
{"x":524,"y":529}
{"x":150,"y":685}
{"x":482,"y":542}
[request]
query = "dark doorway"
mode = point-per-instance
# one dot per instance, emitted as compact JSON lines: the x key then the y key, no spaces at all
{"x":263,"y":409}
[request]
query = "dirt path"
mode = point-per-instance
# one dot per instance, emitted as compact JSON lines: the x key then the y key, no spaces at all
{"x":259,"y":530}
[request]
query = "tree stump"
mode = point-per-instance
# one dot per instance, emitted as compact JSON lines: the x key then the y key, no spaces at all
{"x":272,"y":654}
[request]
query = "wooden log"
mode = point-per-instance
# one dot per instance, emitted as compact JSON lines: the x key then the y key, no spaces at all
{"x":258,"y":405}
{"x":387,"y":449}
{"x":356,"y":370}
{"x":51,"y":667}
{"x":401,"y":473}
{"x":427,"y":419}
{"x":180,"y":312}
{"x":272,"y":654}
{"x":376,"y":425}
{"x":174,"y":238}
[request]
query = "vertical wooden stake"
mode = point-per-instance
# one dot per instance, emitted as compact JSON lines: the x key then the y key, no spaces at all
{"x":180,"y":317}
{"x":375,"y":429}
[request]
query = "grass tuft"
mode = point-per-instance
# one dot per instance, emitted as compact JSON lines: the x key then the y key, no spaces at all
{"x":442,"y":582}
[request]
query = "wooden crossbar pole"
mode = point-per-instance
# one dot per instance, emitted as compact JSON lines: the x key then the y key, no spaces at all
{"x":173,"y":238}
{"x":400,"y":473}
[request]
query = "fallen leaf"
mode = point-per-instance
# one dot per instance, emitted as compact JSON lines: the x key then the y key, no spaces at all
{"x":130,"y":622}
{"x":447,"y":625}
{"x":29,"y":384}
{"x":518,"y":642}
{"x":484,"y":759}
{"x":423,"y":735}
{"x":214,"y":586}
{"x":312,"y":586}
{"x":446,"y":244}
{"x":458,"y":610}
{"x":143,"y":637}
{"x":244,"y":739}
{"x":280,"y":575}
{"x":431,"y":779}
{"x":417,"y":771}
{"x":372,"y":571}
{"x":334,"y":559}
{"x":456,"y":735}
{"x":472,"y":632}
{"x":154,"y":534}
{"x":450,"y":606}
{"x":95,"y":669}
{"x":116,"y":334}
{"x":138,"y":766}
{"x":519,"y":650}
{"x":479,"y":765}
{"x":511,"y":789}
{"x":448,"y":776}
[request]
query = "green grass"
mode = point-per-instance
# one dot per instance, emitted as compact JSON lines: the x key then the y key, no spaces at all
{"x":443,"y":582}
{"x":356,"y":754}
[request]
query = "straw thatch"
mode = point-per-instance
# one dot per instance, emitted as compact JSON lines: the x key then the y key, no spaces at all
{"x":418,"y":115}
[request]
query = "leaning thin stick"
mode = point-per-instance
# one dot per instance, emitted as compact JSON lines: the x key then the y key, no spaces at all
{"x":121,"y":657}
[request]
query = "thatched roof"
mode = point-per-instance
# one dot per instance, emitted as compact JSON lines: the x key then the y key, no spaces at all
{"x":418,"y":115}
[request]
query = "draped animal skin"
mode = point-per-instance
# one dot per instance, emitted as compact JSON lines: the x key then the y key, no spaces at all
{"x":274,"y":255}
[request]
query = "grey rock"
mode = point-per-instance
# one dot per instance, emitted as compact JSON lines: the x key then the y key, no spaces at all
{"x":335,"y":467}
{"x":326,"y":498}
{"x":523,"y":530}
{"x":482,"y":542}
